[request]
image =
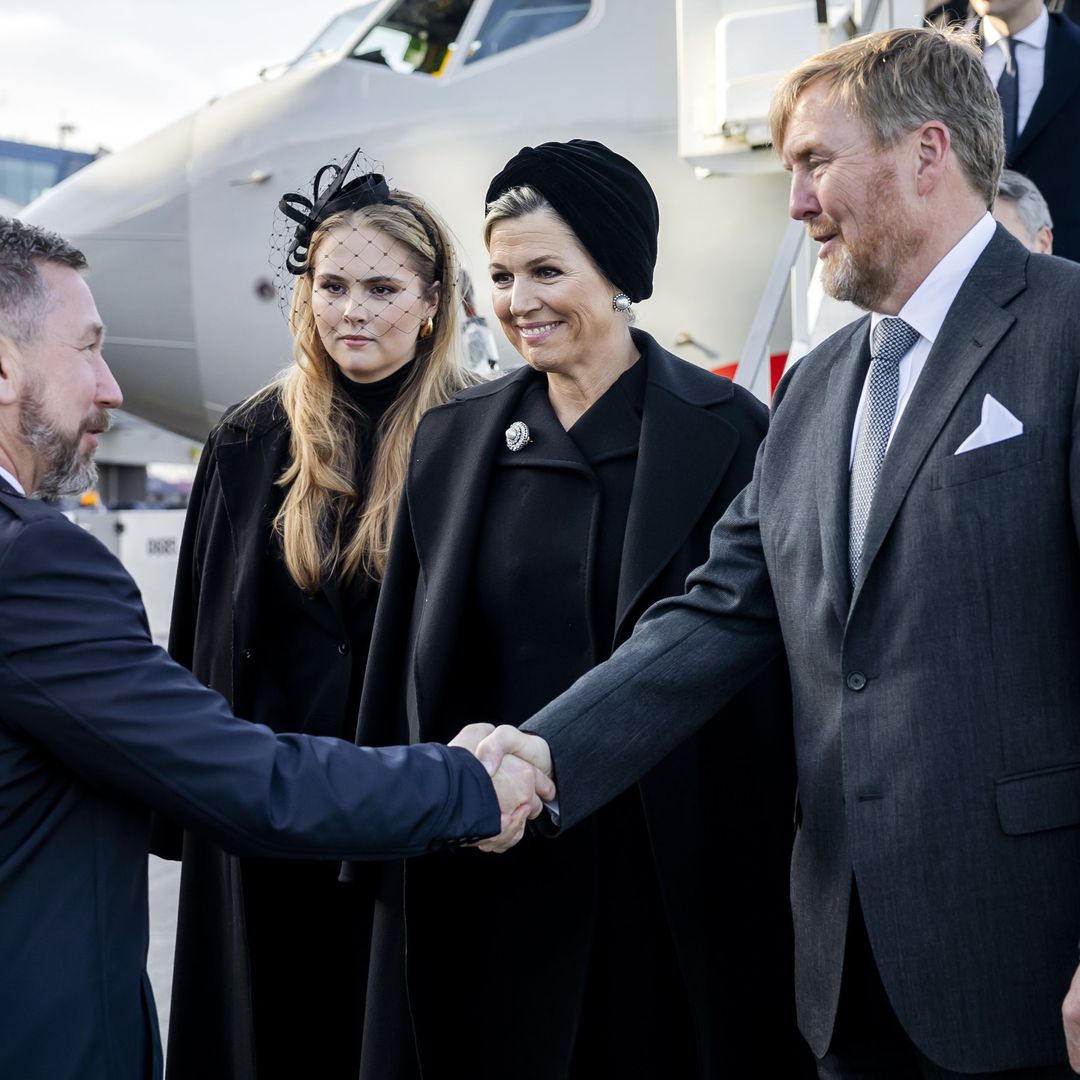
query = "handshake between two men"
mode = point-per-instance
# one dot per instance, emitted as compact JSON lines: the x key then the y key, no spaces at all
{"x":521,"y":772}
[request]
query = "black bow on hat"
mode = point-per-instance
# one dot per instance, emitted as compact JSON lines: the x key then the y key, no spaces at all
{"x":339,"y":196}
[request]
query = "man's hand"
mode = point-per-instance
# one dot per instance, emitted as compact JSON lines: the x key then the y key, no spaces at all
{"x":470,"y":737}
{"x":1070,"y":1015}
{"x":520,"y":787}
{"x":511,"y":756}
{"x":505,"y":740}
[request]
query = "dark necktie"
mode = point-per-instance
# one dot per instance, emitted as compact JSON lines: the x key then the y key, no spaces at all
{"x":1008,"y":89}
{"x":893,"y":338}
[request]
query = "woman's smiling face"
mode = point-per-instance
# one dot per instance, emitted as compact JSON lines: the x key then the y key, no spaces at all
{"x":553,"y":303}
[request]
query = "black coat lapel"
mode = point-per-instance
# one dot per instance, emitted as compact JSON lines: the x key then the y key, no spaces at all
{"x":975,"y":324}
{"x":452,"y":460}
{"x":684,"y":453}
{"x":1061,"y":79}
{"x":247,"y":469}
{"x":833,"y":470}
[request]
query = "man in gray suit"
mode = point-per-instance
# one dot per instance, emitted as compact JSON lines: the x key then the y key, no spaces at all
{"x":909,"y":539}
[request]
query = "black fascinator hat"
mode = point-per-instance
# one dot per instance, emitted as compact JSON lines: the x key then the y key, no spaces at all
{"x":339,"y":195}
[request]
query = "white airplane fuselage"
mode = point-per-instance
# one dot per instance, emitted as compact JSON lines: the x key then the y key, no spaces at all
{"x":177,"y":228}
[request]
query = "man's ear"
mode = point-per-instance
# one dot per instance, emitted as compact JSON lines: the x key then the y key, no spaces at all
{"x":934,"y":148}
{"x":1044,"y":241}
{"x":10,"y":360}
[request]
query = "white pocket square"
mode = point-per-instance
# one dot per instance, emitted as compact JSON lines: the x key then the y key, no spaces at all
{"x":997,"y":425}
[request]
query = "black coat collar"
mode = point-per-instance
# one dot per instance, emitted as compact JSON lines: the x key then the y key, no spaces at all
{"x":685,"y":451}
{"x":253,"y":420}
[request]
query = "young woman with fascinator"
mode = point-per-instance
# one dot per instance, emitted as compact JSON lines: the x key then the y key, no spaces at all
{"x":545,"y":512}
{"x":284,"y":548}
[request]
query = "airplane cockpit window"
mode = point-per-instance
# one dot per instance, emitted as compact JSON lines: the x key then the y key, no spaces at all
{"x":337,"y":35}
{"x":510,"y":23}
{"x":415,"y":35}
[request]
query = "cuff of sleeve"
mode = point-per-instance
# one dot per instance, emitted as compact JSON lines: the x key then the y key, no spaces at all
{"x":480,"y":816}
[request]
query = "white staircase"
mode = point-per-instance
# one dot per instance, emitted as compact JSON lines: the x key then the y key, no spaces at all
{"x":731,"y":55}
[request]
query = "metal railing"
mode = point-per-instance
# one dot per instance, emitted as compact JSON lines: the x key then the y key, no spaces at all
{"x":792,"y":270}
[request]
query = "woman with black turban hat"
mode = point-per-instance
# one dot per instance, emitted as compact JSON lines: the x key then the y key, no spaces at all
{"x":543,"y":513}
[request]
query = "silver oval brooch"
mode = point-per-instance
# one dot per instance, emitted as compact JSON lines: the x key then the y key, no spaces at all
{"x":517,"y":436}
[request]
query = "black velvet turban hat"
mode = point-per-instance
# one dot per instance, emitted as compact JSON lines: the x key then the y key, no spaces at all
{"x":602,"y":197}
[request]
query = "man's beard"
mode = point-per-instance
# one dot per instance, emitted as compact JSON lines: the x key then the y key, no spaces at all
{"x":62,"y":471}
{"x":867,"y":270}
{"x":862,"y":273}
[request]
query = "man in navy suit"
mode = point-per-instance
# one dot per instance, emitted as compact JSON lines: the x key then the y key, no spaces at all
{"x":1032,"y":56}
{"x":98,"y":726}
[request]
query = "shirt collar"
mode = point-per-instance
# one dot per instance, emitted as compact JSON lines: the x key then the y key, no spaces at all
{"x":1034,"y":34}
{"x":12,"y":480}
{"x":929,"y":304}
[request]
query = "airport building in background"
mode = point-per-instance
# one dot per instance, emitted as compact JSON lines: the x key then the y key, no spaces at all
{"x":27,"y":170}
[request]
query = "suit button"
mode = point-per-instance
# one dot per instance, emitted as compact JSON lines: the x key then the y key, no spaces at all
{"x":247,"y":654}
{"x":856,"y":680}
{"x":343,"y":648}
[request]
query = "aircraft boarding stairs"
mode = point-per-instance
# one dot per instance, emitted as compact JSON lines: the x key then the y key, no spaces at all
{"x":731,"y":55}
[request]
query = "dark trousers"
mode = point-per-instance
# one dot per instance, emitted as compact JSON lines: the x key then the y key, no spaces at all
{"x":868,"y":1042}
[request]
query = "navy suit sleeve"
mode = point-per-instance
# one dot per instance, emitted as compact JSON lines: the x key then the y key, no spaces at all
{"x":83,"y":680}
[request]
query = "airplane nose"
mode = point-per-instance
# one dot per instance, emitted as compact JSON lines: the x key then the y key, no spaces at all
{"x":129,"y":213}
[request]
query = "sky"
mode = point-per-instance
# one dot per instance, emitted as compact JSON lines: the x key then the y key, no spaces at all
{"x":119,"y":70}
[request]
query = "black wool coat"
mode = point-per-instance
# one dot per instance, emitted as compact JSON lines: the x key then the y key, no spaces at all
{"x":502,"y":944}
{"x":219,"y":610}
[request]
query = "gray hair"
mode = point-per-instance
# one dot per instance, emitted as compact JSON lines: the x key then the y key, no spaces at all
{"x":514,"y":203}
{"x":896,"y":80}
{"x":1030,"y":205}
{"x":23,"y":293}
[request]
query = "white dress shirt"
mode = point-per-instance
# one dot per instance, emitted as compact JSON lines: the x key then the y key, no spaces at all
{"x":12,"y":480}
{"x":926,"y":311}
{"x":1030,"y":46}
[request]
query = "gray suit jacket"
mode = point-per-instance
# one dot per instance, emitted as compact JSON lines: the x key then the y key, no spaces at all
{"x":937,"y":710}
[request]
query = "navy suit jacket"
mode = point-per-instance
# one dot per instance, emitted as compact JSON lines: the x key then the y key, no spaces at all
{"x":97,"y":728}
{"x":1048,"y":149}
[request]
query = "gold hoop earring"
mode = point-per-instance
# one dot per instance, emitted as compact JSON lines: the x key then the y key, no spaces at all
{"x":428,"y":328}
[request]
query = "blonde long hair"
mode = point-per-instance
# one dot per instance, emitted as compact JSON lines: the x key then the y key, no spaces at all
{"x":321,"y":494}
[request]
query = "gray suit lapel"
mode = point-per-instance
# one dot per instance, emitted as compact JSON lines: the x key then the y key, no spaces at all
{"x":833,"y":472}
{"x":452,"y":460}
{"x":975,"y":324}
